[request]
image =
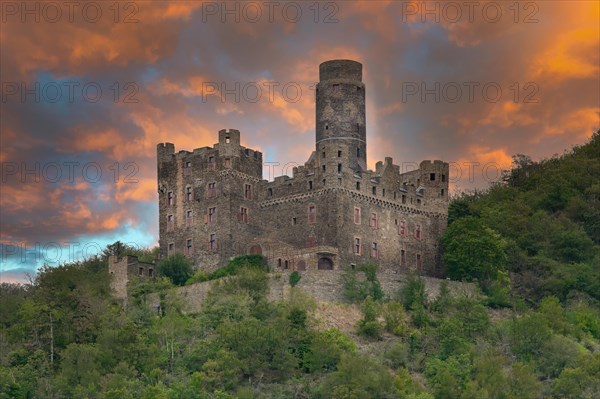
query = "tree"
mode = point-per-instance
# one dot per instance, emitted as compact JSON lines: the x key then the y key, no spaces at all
{"x":177,"y":268}
{"x":473,"y":251}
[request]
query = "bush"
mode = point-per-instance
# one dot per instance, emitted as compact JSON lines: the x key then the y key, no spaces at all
{"x":177,"y":268}
{"x":358,"y":289}
{"x":412,"y":293}
{"x":369,"y":325}
{"x":198,"y":277}
{"x":239,"y":263}
{"x":294,"y":278}
{"x":393,"y":314}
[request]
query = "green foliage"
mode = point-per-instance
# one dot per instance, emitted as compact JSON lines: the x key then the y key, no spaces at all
{"x":369,"y":325}
{"x":198,"y":277}
{"x":412,"y":294}
{"x":358,"y":377}
{"x":545,"y":218}
{"x":473,"y":251}
{"x":362,"y":282}
{"x":294,"y":278}
{"x":240,"y":263}
{"x":528,"y":335}
{"x":177,"y":268}
{"x":326,"y":350}
{"x":395,"y":319}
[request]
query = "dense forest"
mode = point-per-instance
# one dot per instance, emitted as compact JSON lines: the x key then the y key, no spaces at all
{"x":531,"y":328}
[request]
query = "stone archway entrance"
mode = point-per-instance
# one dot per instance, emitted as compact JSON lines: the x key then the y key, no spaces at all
{"x":325,"y":264}
{"x":255,"y":250}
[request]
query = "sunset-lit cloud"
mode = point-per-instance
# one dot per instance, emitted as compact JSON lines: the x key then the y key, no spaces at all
{"x":167,"y":70}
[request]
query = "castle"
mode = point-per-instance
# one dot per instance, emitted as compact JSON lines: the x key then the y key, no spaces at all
{"x":332,"y":213}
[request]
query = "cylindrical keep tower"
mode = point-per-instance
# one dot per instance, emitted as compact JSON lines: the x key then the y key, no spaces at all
{"x":340,"y":115}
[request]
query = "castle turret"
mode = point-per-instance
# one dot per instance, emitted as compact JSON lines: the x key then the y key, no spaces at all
{"x":340,"y":117}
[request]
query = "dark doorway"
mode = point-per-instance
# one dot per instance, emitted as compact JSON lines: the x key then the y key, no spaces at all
{"x":301,"y":265}
{"x":325,"y":264}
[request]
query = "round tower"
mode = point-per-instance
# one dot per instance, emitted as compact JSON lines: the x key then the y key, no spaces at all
{"x":340,"y":117}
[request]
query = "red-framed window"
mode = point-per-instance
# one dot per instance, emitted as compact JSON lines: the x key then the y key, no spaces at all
{"x":373,"y":221}
{"x":374,"y":250}
{"x":357,"y":215}
{"x":243,"y":214}
{"x":211,"y":190}
{"x":212,"y":215}
{"x":418,"y":233}
{"x":188,"y":218}
{"x":402,"y":228}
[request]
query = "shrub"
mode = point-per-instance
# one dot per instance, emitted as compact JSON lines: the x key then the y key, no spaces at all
{"x":198,"y":277}
{"x":369,"y":325}
{"x":239,"y":263}
{"x":358,"y":289}
{"x":177,"y":268}
{"x":294,"y":278}
{"x":393,"y":314}
{"x":412,"y":293}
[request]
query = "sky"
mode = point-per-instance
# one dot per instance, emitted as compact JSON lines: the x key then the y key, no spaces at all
{"x":90,"y":88}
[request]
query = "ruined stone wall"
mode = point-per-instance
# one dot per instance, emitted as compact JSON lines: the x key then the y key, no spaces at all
{"x":322,"y":285}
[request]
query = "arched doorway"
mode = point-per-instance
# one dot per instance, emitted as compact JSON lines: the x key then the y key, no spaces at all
{"x":325,"y":264}
{"x":301,"y":265}
{"x":255,"y":250}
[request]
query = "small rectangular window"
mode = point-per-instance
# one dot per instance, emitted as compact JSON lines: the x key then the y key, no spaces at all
{"x":228,"y":162}
{"x":188,"y":194}
{"x":189,"y":248}
{"x":294,"y":221}
{"x":270,"y":192}
{"x":402,"y":258}
{"x":324,"y":167}
{"x":227,"y":140}
{"x":310,"y":185}
{"x":141,"y":271}
{"x":211,"y":190}
{"x":339,"y":154}
{"x":373,"y":222}
{"x":419,"y":262}
{"x":212,"y":215}
{"x":374,"y":190}
{"x":339,"y":168}
{"x":357,"y":246}
{"x":443,"y":178}
{"x":432,"y":176}
{"x":212,"y":164}
{"x":402,"y":228}
{"x":356,"y":215}
{"x":170,"y":198}
{"x":212,"y":243}
{"x":244,"y":214}
{"x":418,"y":232}
{"x":187,"y":170}
{"x":374,"y":250}
{"x":248,"y":191}
{"x":170,"y":223}
{"x":188,"y":218}
{"x":312,"y":214}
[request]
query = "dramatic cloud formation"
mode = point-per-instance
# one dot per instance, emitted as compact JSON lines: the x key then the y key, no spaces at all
{"x":88,"y":92}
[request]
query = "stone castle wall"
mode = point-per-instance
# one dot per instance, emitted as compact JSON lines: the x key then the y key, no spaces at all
{"x":322,"y":285}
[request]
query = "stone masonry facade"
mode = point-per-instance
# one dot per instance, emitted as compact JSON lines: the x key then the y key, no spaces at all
{"x":333,"y":212}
